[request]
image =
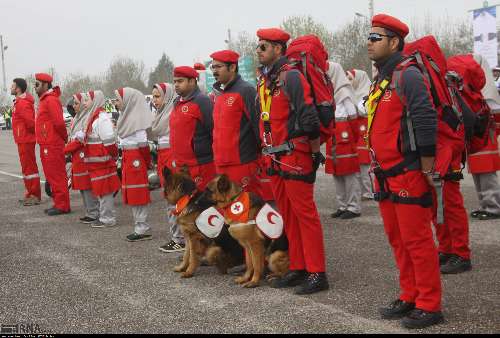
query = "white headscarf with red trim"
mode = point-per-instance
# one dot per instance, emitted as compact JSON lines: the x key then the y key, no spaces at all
{"x":160,"y":126}
{"x":361,"y":84}
{"x":136,"y":114}
{"x":79,"y":122}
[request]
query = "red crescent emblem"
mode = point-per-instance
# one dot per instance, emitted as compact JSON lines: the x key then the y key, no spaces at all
{"x":270,"y":217}
{"x":210,"y":220}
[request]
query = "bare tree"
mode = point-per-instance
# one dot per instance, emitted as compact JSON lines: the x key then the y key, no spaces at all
{"x":79,"y":83}
{"x":124,"y":72}
{"x":303,"y":25}
{"x":163,"y":72}
{"x":349,"y":45}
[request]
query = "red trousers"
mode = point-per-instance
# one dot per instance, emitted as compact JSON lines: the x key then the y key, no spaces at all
{"x":164,"y":161}
{"x":295,"y":201}
{"x":201,"y":174}
{"x":408,"y":229}
{"x":30,"y":170}
{"x":453,"y":235}
{"x":54,"y":167}
{"x":245,"y":174}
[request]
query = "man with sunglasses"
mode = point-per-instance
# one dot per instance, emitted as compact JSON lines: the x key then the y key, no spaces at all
{"x":290,"y":132}
{"x":406,"y":175}
{"x":236,"y":135}
{"x":51,"y":135}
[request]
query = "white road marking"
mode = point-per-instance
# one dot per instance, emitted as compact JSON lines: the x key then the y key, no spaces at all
{"x":15,"y":176}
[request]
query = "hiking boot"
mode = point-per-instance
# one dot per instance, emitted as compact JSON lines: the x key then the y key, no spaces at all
{"x":444,"y":258}
{"x":138,"y":238}
{"x":338,"y":213}
{"x":349,"y":215}
{"x":88,"y":220}
{"x":396,"y":310}
{"x":488,"y":216}
{"x":315,"y":282}
{"x":476,"y":213}
{"x":456,"y":265}
{"x":57,"y":212}
{"x":173,"y":247}
{"x":291,"y":279}
{"x":420,"y":319}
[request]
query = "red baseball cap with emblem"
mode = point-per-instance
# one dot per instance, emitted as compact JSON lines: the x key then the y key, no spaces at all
{"x":44,"y":77}
{"x":391,"y":23}
{"x":273,"y":34}
{"x":186,"y":71}
{"x":226,"y":56}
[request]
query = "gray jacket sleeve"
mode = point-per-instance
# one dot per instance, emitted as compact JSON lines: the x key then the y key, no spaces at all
{"x":306,"y":112}
{"x":421,"y":109}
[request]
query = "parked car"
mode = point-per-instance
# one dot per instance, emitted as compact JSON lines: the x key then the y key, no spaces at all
{"x":3,"y":125}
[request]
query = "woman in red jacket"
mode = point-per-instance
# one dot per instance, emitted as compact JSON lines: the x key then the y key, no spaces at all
{"x":80,"y":178}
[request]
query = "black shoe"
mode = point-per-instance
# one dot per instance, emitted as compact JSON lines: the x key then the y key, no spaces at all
{"x":488,"y":216}
{"x":338,"y":213}
{"x":349,"y":215}
{"x":57,"y":212}
{"x":420,"y":319}
{"x":47,"y":210}
{"x":173,"y":247}
{"x":88,"y":220}
{"x":476,"y":213}
{"x":138,"y":238}
{"x":456,"y":265}
{"x":396,"y":310}
{"x":291,"y":279}
{"x":444,"y":258}
{"x":315,"y":282}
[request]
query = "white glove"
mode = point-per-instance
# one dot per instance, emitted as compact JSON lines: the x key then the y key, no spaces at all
{"x":80,"y":136}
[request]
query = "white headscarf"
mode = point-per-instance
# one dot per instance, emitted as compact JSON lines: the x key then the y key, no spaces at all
{"x":361,"y":84}
{"x":79,"y":122}
{"x":490,"y":91}
{"x":160,"y":126}
{"x":342,"y":85}
{"x":136,"y":114}
{"x":98,"y":100}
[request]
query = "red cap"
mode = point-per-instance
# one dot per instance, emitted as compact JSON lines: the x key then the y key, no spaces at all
{"x":186,"y":71}
{"x":273,"y":34}
{"x":391,"y":23}
{"x":121,"y":92}
{"x":44,"y":77}
{"x":227,"y":56}
{"x":199,"y":66}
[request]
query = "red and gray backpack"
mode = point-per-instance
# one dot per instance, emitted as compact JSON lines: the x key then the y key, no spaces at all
{"x":308,"y":55}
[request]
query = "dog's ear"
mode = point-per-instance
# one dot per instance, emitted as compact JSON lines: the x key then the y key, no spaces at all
{"x":223,"y":184}
{"x":185,"y":170}
{"x":187,"y":186}
{"x":166,"y":173}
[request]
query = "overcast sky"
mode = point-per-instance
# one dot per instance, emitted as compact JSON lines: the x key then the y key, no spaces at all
{"x":85,"y":35}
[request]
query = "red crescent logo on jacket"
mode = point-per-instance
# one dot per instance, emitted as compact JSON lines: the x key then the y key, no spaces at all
{"x":185,"y":109}
{"x":277,"y":93}
{"x":270,"y":217}
{"x":230,"y":101}
{"x":387,"y":96}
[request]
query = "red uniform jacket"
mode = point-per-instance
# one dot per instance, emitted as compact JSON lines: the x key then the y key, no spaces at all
{"x":50,"y":126}
{"x":236,"y":141}
{"x":23,"y":119}
{"x":191,"y":126}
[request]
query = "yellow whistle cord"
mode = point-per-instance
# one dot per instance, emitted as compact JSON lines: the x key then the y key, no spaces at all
{"x":372,"y":104}
{"x":265,"y":102}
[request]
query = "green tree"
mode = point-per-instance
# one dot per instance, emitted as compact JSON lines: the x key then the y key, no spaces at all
{"x":163,"y":72}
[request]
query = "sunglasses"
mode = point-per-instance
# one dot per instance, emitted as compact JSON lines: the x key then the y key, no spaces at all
{"x":262,"y":47}
{"x":375,"y":37}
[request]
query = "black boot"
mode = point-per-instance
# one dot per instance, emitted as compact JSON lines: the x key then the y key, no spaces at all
{"x":291,"y":279}
{"x":315,"y":282}
{"x":456,"y":265}
{"x":444,"y":258}
{"x":396,"y":310}
{"x":420,"y":319}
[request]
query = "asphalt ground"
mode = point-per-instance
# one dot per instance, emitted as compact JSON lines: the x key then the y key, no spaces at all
{"x":65,"y":277}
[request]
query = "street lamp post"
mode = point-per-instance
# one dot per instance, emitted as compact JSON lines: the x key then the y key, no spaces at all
{"x":4,"y":48}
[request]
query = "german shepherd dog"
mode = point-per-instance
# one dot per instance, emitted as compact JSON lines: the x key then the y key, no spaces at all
{"x":224,"y":256}
{"x":257,"y":246}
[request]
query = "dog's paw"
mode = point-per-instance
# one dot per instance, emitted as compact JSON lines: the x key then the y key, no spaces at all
{"x":241,"y":280}
{"x":187,"y":275}
{"x":180,"y":268}
{"x":251,"y":285}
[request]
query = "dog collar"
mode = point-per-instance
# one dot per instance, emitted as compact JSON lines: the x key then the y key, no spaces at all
{"x":182,"y":204}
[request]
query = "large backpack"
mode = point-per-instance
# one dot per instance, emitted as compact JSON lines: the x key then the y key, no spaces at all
{"x":426,"y":54}
{"x":308,"y":54}
{"x":467,"y":78}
